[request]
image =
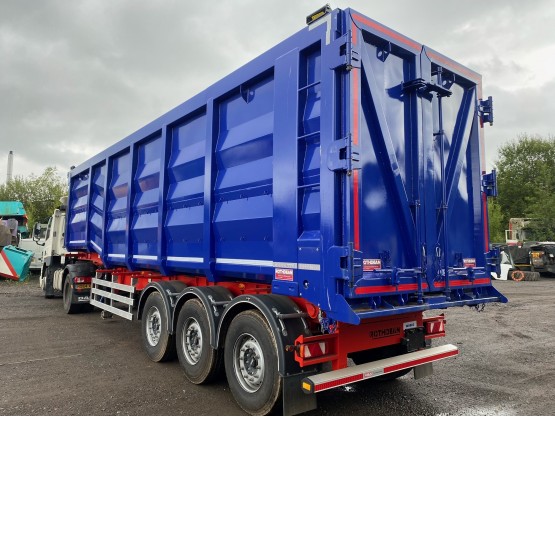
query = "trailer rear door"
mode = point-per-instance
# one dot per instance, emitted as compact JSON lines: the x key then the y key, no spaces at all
{"x":417,"y":220}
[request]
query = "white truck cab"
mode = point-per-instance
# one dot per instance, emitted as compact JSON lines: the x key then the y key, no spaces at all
{"x":53,"y":253}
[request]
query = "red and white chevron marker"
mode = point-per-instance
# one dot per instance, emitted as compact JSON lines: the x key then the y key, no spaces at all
{"x":6,"y":268}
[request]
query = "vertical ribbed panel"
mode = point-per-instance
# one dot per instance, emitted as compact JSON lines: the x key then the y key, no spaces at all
{"x":96,"y":209}
{"x":77,"y":210}
{"x":185,"y":196}
{"x":243,"y":187}
{"x":116,"y":213}
{"x":146,"y":182}
{"x":309,"y":143}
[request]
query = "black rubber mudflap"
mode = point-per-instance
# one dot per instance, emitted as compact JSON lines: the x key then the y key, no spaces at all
{"x":295,"y":401}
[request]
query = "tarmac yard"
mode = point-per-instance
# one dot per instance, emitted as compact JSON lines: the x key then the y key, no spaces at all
{"x":52,"y":363}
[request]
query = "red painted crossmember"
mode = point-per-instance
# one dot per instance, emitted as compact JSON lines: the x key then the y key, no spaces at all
{"x":336,"y":378}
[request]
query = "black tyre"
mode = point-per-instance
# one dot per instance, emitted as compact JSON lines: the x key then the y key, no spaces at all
{"x":159,"y":344}
{"x":371,"y":355}
{"x":67,"y":295}
{"x":251,"y":363}
{"x":200,"y":362}
{"x":49,"y":291}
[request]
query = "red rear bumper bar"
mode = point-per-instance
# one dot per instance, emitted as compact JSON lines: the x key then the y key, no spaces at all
{"x":337,"y":378}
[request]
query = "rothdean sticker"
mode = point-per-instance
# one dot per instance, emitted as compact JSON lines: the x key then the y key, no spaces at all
{"x":369,"y":264}
{"x":283,"y":274}
{"x":469,"y":262}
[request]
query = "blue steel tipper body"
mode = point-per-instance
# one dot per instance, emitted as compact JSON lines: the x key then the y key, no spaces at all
{"x":343,"y":166}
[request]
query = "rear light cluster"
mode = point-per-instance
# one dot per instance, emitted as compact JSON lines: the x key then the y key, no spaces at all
{"x":434,"y":326}
{"x":82,"y":280}
{"x":316,"y":349}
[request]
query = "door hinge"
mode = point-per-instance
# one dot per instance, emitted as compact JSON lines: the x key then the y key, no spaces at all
{"x":489,"y":183}
{"x":345,"y":57}
{"x":485,"y":110}
{"x":342,"y":156}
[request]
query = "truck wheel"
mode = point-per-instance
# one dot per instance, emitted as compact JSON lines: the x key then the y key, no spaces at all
{"x":157,"y":340}
{"x":67,"y":295}
{"x":251,"y":363}
{"x":200,"y":362}
{"x":49,"y":291}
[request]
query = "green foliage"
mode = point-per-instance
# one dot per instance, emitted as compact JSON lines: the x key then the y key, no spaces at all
{"x":526,"y":184}
{"x":40,"y":195}
{"x":496,"y":222}
{"x":542,"y":226}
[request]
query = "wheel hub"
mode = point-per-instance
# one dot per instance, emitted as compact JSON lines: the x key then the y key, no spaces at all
{"x":192,"y":341}
{"x":153,"y":326}
{"x":249,"y":363}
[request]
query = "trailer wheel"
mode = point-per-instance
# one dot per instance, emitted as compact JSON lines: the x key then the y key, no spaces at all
{"x":67,"y":296}
{"x":517,"y":275}
{"x":251,"y":363}
{"x":200,"y":362}
{"x":159,"y":344}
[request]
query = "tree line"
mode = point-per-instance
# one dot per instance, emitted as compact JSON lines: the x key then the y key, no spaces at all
{"x":40,"y":195}
{"x":526,"y":188}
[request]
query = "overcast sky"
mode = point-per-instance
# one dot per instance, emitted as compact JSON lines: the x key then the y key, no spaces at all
{"x":78,"y":75}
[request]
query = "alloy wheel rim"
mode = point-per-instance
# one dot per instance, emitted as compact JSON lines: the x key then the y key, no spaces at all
{"x":248,"y":363}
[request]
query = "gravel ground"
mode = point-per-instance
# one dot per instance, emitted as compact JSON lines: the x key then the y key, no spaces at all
{"x":55,"y":364}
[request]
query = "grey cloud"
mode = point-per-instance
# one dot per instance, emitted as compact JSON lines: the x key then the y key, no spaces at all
{"x":78,"y":76}
{"x":519,"y":112}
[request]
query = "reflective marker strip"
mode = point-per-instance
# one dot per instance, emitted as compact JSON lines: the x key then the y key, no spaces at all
{"x":453,"y":66}
{"x":241,"y":262}
{"x":116,"y":255}
{"x":310,"y":267}
{"x":389,"y":288}
{"x":95,"y":245}
{"x":386,"y":31}
{"x":463,"y":282}
{"x":184,"y":259}
{"x":145,"y":257}
{"x":268,"y":263}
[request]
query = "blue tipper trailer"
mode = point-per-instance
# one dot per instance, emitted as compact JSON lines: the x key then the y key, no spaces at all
{"x":304,"y":210}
